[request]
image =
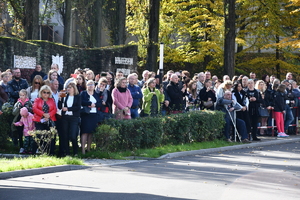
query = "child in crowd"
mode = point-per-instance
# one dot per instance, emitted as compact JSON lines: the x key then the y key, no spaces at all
{"x":279,"y":110}
{"x":26,"y":121}
{"x":17,"y":132}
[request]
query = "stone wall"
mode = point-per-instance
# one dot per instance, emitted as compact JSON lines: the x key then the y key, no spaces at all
{"x":98,"y":59}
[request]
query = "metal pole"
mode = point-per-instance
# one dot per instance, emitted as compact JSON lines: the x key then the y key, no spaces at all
{"x":161,"y":63}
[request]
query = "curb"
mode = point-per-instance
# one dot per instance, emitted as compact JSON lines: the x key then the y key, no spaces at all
{"x":228,"y":148}
{"x":38,"y":171}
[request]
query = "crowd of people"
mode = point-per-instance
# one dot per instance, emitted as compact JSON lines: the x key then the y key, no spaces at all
{"x":76,"y":106}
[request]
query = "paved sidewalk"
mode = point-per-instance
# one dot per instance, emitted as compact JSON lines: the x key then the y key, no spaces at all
{"x":265,"y":141}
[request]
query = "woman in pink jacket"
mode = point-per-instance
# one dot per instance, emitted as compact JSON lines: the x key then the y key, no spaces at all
{"x":122,"y":99}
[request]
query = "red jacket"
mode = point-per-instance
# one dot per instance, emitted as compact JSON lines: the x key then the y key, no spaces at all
{"x":38,"y":109}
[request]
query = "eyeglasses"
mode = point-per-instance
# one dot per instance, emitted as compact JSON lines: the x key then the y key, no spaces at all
{"x":37,"y":83}
{"x":46,"y":92}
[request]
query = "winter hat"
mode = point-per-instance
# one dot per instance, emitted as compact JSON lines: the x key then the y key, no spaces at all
{"x":24,"y":111}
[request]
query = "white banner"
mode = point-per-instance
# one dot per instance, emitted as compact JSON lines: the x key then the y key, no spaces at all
{"x":24,"y":62}
{"x":123,"y":61}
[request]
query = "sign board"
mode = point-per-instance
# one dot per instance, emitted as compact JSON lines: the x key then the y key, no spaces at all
{"x":123,"y":61}
{"x":125,"y":71}
{"x":24,"y":62}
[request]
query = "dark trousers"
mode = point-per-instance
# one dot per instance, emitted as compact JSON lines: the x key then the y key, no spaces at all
{"x":70,"y":133}
{"x":240,"y":125}
{"x":253,"y":121}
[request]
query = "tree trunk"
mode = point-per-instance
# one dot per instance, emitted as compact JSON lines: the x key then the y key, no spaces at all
{"x":229,"y":46}
{"x":31,"y":20}
{"x":152,"y":49}
{"x":119,"y":31}
{"x":67,"y":23}
{"x":98,"y":24}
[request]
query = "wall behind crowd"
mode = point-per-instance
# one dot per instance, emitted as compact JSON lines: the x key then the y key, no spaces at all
{"x":100,"y":59}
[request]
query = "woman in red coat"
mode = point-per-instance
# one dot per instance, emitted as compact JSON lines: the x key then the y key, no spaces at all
{"x":44,"y":109}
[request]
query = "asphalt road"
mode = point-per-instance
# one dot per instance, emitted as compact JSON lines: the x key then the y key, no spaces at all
{"x":268,"y":173}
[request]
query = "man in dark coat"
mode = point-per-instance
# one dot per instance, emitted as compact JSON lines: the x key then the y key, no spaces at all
{"x":176,"y":95}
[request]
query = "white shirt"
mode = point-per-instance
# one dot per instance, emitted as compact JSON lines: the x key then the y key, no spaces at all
{"x":93,"y":100}
{"x":34,"y":95}
{"x":70,"y":104}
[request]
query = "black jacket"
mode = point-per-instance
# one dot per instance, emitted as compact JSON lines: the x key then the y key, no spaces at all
{"x":75,"y":108}
{"x":14,"y":88}
{"x":253,"y":105}
{"x":42,"y":74}
{"x":279,"y":102}
{"x":176,"y":96}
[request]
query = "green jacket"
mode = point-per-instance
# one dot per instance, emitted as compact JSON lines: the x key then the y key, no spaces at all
{"x":147,"y":96}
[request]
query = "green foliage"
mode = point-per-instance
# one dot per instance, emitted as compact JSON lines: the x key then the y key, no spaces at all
{"x":5,"y":123}
{"x":150,"y":132}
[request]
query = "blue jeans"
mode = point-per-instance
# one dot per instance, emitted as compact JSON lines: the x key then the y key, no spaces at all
{"x":240,"y":125}
{"x":134,"y":113}
{"x":289,"y":118}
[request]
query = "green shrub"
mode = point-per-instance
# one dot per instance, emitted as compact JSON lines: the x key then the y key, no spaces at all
{"x":106,"y":138}
{"x":5,"y":124}
{"x":152,"y":132}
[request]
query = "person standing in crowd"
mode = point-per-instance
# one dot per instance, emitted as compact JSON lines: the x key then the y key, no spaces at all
{"x":26,"y":121}
{"x":290,"y":102}
{"x":90,"y":75}
{"x":207,"y":75}
{"x":44,"y":109}
{"x":252,"y":76}
{"x":176,"y":95}
{"x":17,"y":132}
{"x":227,"y":105}
{"x":70,"y":106}
{"x":122,"y":99}
{"x":165,"y":106}
{"x":105,"y":96}
{"x":80,"y":83}
{"x":152,"y":98}
{"x":37,"y":71}
{"x":53,"y":75}
{"x":200,"y":83}
{"x":289,"y":76}
{"x":136,"y":94}
{"x":16,"y":84}
{"x":33,"y":90}
{"x":4,"y":82}
{"x":226,"y":85}
{"x":60,"y":79}
{"x":261,"y":87}
{"x":119,"y":74}
{"x":3,"y":96}
{"x":145,"y":76}
{"x":110,"y":81}
{"x":89,"y":121}
{"x":266,"y":79}
{"x":239,"y":95}
{"x":245,"y":83}
{"x":254,"y":102}
{"x":279,"y":110}
{"x":192,"y":97}
{"x":226,"y":78}
{"x":207,"y":95}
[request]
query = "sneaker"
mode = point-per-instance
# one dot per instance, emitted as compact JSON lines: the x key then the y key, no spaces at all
{"x":282,"y":135}
{"x":229,"y":140}
{"x":21,"y":150}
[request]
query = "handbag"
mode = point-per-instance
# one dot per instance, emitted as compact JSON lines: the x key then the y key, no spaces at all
{"x":263,"y":112}
{"x":85,"y":110}
{"x":208,"y":104}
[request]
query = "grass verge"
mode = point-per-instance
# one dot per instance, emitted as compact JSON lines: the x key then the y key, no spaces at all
{"x":158,"y":151}
{"x":14,"y":164}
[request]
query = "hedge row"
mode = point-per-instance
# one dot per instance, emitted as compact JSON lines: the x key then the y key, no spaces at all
{"x":149,"y":132}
